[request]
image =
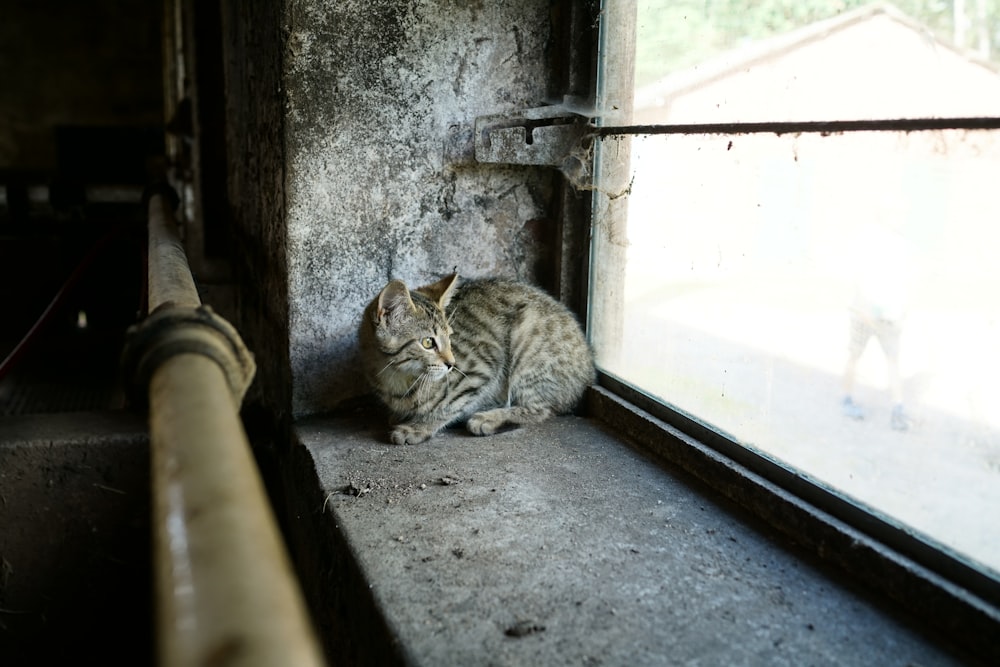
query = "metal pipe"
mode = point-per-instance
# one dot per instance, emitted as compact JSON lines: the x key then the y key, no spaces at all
{"x":170,"y":279}
{"x":225,"y":589}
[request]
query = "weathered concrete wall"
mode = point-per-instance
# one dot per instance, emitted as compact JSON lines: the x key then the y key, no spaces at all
{"x":373,"y":89}
{"x":256,"y":181}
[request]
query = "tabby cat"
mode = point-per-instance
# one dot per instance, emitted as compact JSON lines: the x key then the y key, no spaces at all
{"x":490,"y":352}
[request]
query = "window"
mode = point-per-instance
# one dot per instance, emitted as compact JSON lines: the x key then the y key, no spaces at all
{"x":794,"y":243}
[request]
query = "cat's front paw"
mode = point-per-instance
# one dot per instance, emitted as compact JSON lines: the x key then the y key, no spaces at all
{"x":410,"y":434}
{"x":485,"y":423}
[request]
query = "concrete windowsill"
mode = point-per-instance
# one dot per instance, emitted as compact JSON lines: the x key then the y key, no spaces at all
{"x":559,"y":544}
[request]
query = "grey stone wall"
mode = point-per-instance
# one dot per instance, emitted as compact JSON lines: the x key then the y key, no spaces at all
{"x":372,"y":91}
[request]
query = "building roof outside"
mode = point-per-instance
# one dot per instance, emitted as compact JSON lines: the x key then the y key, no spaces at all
{"x":873,"y":62}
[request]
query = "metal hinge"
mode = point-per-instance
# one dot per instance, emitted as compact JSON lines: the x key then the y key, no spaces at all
{"x":544,"y":136}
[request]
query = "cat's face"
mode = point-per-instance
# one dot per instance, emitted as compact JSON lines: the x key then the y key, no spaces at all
{"x":412,"y":332}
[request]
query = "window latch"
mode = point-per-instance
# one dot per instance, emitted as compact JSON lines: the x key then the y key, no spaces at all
{"x":544,"y":136}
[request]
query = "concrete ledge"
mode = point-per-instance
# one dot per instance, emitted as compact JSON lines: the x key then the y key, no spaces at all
{"x":558,"y":544}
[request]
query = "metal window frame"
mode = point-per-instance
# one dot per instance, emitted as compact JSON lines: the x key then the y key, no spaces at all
{"x":944,"y":591}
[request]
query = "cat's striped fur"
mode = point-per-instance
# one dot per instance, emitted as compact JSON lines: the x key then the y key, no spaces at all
{"x":487,"y":352}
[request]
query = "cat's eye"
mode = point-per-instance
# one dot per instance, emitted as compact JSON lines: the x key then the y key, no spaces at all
{"x":428,"y":343}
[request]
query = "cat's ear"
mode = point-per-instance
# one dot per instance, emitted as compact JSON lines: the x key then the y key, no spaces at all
{"x":394,"y":303}
{"x":441,"y":291}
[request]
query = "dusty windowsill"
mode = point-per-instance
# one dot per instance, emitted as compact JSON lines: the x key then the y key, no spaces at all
{"x":557,"y":544}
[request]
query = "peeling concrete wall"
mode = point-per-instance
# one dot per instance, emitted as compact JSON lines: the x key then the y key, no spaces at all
{"x":372,"y":91}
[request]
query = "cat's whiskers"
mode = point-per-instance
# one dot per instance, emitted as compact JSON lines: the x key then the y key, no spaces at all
{"x":386,"y":367}
{"x":421,"y":379}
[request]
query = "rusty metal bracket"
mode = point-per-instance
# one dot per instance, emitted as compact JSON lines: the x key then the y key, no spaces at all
{"x":545,"y":136}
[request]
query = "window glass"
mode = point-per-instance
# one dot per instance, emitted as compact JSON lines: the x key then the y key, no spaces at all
{"x":831,"y":301}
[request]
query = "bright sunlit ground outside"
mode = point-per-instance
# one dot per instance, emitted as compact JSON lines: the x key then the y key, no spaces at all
{"x":755,"y":264}
{"x":738,"y":311}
